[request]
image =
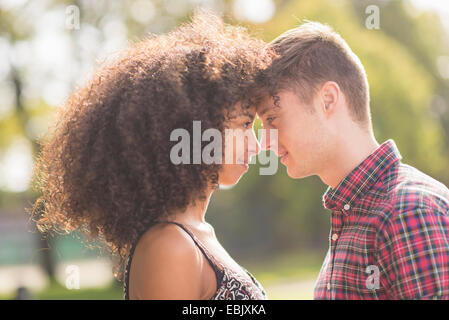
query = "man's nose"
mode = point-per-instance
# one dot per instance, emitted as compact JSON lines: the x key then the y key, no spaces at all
{"x":267,"y":139}
{"x":264,"y":144}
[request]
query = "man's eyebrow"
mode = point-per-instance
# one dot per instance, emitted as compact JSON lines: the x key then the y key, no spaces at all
{"x":264,"y":110}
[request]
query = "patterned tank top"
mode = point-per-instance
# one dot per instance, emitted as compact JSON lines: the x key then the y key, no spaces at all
{"x":231,"y":284}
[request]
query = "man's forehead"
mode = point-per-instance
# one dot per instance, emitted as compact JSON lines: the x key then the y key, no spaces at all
{"x":266,"y":104}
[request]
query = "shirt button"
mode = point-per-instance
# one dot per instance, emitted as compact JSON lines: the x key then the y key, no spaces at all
{"x":328,"y":286}
{"x":347,"y":207}
{"x":334,"y":237}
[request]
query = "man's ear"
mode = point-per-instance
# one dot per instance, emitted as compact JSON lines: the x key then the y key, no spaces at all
{"x":330,"y":94}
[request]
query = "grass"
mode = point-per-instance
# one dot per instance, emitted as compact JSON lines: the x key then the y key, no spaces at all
{"x":56,"y":291}
{"x":287,"y":265}
{"x":288,"y":276}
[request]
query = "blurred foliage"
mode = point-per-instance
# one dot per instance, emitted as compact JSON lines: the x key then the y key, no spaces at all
{"x":264,"y":215}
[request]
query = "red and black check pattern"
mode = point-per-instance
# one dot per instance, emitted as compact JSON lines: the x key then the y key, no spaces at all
{"x":389,"y":235}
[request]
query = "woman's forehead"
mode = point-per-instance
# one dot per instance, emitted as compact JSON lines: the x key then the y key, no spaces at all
{"x":239,"y":111}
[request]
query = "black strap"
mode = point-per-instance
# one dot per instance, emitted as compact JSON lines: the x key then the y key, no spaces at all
{"x":209,"y":258}
{"x":217,"y":270}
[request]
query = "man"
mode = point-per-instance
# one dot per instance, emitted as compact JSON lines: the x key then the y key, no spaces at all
{"x":389,"y":235}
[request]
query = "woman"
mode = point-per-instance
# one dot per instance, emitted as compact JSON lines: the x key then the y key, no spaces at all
{"x":105,"y":167}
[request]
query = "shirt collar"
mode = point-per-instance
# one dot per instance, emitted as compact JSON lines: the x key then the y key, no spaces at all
{"x":362,"y":178}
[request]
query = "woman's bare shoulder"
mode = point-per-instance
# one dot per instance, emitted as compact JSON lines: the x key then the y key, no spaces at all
{"x":167,"y":264}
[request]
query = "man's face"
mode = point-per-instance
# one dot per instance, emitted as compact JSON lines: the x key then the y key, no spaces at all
{"x":302,"y":139}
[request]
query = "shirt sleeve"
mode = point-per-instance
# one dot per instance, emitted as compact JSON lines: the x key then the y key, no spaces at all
{"x":413,"y":254}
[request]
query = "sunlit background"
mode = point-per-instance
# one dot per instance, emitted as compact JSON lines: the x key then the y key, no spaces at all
{"x":274,"y":226}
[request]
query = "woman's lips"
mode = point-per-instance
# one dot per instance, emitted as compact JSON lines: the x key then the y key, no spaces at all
{"x":243,"y":164}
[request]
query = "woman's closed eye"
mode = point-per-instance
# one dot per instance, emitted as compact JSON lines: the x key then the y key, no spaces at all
{"x":247,"y":124}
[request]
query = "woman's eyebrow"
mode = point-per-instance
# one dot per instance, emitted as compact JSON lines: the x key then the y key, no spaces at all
{"x":247,"y":115}
{"x":246,"y":118}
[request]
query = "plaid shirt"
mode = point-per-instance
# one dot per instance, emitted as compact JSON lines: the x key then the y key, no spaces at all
{"x":389,"y":235}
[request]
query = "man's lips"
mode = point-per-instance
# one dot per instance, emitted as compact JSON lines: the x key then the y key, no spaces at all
{"x":284,"y":157}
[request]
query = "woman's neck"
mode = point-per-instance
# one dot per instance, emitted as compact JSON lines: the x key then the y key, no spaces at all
{"x":194,"y":214}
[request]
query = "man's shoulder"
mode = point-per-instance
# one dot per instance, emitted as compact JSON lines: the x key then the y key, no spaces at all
{"x":408,"y":189}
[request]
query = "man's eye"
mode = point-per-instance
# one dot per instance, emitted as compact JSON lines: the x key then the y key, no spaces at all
{"x":270,"y":119}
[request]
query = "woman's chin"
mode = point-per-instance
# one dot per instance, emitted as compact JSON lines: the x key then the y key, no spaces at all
{"x":229,"y":182}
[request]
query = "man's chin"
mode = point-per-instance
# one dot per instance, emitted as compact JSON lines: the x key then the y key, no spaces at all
{"x":295,"y":174}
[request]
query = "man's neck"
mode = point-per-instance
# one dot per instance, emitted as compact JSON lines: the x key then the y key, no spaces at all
{"x":348,"y":154}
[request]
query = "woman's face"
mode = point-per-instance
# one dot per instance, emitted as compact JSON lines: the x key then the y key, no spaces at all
{"x":240,"y":144}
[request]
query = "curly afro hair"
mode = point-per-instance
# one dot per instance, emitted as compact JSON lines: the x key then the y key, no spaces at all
{"x":104,"y":167}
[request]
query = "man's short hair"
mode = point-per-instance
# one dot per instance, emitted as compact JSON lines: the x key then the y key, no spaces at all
{"x":312,"y":54}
